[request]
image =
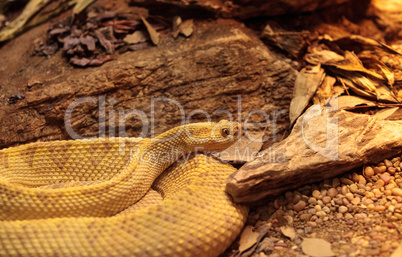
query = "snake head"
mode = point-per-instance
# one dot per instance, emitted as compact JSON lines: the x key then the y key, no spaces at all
{"x":212,"y":136}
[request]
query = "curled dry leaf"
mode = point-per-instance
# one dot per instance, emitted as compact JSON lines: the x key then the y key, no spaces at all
{"x":152,"y":32}
{"x":176,"y":24}
{"x":357,"y":44}
{"x":306,"y":84}
{"x":325,"y":91}
{"x":316,"y":247}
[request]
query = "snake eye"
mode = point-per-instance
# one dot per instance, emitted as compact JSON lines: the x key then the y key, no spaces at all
{"x":225,"y":132}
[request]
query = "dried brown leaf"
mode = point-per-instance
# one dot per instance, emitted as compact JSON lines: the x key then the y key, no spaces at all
{"x":186,"y":28}
{"x":248,"y":238}
{"x":176,"y":24}
{"x":89,"y":41}
{"x":106,"y":38}
{"x":349,"y":102}
{"x":18,"y":24}
{"x":152,"y":32}
{"x":325,"y":90}
{"x":316,"y":247}
{"x":289,"y":232}
{"x":385,"y":113}
{"x":138,"y":36}
{"x":81,"y":5}
{"x":351,"y":63}
{"x":322,"y":56}
{"x":358,"y":43}
{"x":306,"y":84}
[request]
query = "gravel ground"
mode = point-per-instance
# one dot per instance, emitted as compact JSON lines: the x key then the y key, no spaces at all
{"x":358,"y":214}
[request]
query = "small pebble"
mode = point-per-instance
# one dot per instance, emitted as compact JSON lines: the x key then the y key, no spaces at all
{"x":380,"y":183}
{"x":348,"y":216}
{"x":345,"y":190}
{"x":332,"y":192}
{"x":353,"y":188}
{"x":388,"y":163}
{"x":336,"y":182}
{"x":311,"y":224}
{"x":379,"y":208}
{"x":368,"y":172}
{"x":386,"y":177}
{"x":326,"y":199}
{"x":391,"y":170}
{"x":346,"y":181}
{"x":299,"y":206}
{"x":342,"y":209}
{"x":317,"y":194}
{"x":305,"y":216}
{"x":349,"y":196}
{"x":397,"y":192}
{"x":355,"y":201}
{"x":350,"y":222}
{"x":307,"y":230}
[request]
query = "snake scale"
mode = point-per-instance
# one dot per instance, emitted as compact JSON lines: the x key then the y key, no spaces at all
{"x":76,"y":197}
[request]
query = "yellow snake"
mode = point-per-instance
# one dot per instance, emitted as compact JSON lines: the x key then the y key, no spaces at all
{"x":77,"y":197}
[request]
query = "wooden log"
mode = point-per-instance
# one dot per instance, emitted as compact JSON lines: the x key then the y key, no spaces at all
{"x":321,"y":145}
{"x":209,"y":71}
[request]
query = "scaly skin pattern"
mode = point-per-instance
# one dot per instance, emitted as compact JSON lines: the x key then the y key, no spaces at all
{"x":196,"y":216}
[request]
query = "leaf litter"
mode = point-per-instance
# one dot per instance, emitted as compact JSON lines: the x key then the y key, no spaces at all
{"x":352,"y":67}
{"x":97,"y":35}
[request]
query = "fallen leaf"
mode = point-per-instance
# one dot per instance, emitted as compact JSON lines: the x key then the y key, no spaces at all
{"x":18,"y":24}
{"x":186,"y":28}
{"x":100,"y":60}
{"x":88,"y":41}
{"x":138,"y":36}
{"x":248,"y":238}
{"x":357,"y":43}
{"x":350,"y":101}
{"x":325,"y":90}
{"x":385,"y":113}
{"x":265,"y":246}
{"x":152,"y":32}
{"x":176,"y":24}
{"x":306,"y":84}
{"x":106,"y":38}
{"x":316,"y":247}
{"x":82,"y":62}
{"x":289,"y":232}
{"x":81,"y":5}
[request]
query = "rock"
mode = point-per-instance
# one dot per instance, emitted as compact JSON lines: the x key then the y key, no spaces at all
{"x":297,"y":162}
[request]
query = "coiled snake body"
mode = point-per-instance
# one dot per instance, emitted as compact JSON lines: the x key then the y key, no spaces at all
{"x":77,"y":197}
